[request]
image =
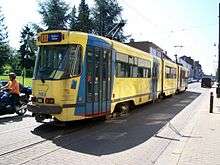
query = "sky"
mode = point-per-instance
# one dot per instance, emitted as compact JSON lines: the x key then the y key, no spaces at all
{"x":192,"y":24}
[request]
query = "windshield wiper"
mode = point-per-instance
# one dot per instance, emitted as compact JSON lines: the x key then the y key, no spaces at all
{"x":42,"y":80}
{"x":43,"y":70}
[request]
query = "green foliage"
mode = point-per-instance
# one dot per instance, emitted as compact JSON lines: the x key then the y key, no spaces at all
{"x":14,"y":62}
{"x":4,"y":47}
{"x":7,"y":69}
{"x":84,"y":22}
{"x":36,"y":28}
{"x":29,"y":72}
{"x":73,"y":19}
{"x":27,"y":49}
{"x":55,"y":14}
{"x":106,"y":15}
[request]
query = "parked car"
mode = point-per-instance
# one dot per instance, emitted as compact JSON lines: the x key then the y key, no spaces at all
{"x":206,"y":82}
{"x":189,"y":80}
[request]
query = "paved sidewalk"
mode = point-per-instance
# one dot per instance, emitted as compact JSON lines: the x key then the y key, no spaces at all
{"x":199,"y":141}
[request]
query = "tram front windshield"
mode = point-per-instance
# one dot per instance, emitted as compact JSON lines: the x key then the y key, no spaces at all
{"x":56,"y":62}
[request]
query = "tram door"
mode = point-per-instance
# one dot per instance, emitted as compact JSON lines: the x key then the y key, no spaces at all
{"x":98,"y":81}
{"x":155,"y":74}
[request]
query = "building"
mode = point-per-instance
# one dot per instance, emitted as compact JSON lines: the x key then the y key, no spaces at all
{"x":195,"y":68}
{"x":149,"y":47}
{"x":188,"y":66}
{"x":198,"y":73}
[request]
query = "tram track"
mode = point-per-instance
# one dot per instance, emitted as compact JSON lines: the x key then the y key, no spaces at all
{"x":16,"y":123}
{"x":52,"y":138}
{"x":48,"y":138}
{"x":22,"y":128}
{"x":71,"y":142}
{"x":16,"y":137}
{"x":58,"y":142}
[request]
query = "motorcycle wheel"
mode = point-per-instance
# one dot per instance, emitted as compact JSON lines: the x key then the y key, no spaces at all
{"x":21,"y":110}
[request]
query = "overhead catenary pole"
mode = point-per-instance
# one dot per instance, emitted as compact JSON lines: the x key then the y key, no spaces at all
{"x":218,"y":70}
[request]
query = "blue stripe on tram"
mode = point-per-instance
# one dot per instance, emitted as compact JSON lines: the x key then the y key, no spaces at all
{"x":83,"y":107}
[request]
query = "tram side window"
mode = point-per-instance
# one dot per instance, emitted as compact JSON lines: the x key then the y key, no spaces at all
{"x":121,"y":65}
{"x":73,"y":62}
{"x":170,"y":72}
{"x":144,"y":68}
{"x":97,"y":60}
{"x":173,"y":73}
{"x":182,"y":74}
{"x":135,"y":67}
{"x":106,"y":54}
{"x":77,"y":68}
{"x":105,"y":71}
{"x":148,"y":72}
{"x":129,"y":70}
{"x":144,"y":72}
{"x":129,"y":66}
{"x":167,"y":72}
{"x":141,"y":72}
{"x":121,"y":69}
{"x":89,"y":74}
{"x":135,"y":71}
{"x":97,"y":72}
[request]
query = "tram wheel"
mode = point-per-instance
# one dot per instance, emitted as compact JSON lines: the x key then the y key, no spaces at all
{"x":39,"y":118}
{"x":124,"y":108}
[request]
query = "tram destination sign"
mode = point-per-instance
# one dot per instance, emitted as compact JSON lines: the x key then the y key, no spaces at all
{"x":51,"y":37}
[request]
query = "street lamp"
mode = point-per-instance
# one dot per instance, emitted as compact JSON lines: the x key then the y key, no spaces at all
{"x":218,"y":70}
{"x":177,"y":46}
{"x":176,"y":58}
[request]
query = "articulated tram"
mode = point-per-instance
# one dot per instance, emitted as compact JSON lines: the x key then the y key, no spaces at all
{"x":79,"y":75}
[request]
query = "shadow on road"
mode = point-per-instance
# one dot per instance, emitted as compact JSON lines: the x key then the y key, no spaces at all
{"x":112,"y":136}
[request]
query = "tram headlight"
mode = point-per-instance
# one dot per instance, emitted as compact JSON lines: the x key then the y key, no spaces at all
{"x":49,"y":101}
{"x":33,"y":99}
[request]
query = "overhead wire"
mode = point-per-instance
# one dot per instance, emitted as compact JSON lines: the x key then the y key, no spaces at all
{"x":149,"y":21}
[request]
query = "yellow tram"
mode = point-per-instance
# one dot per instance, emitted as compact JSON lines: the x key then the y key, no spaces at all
{"x":79,"y":75}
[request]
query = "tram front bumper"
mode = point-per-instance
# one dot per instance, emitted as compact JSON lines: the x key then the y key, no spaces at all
{"x":44,"y":109}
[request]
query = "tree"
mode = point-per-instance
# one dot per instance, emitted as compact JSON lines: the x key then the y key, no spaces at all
{"x":36,"y":28}
{"x":84,"y":22}
{"x":4,"y":46}
{"x":73,"y":19}
{"x":106,"y":15}
{"x":14,"y":62}
{"x":55,"y":14}
{"x":27,"y":49}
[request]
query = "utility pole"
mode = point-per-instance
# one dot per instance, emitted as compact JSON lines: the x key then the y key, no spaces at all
{"x":176,"y":58}
{"x":177,"y":46}
{"x":218,"y":85}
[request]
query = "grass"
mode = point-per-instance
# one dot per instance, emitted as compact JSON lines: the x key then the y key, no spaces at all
{"x":27,"y":81}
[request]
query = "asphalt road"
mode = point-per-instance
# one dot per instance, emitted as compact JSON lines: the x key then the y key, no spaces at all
{"x":115,"y":141}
